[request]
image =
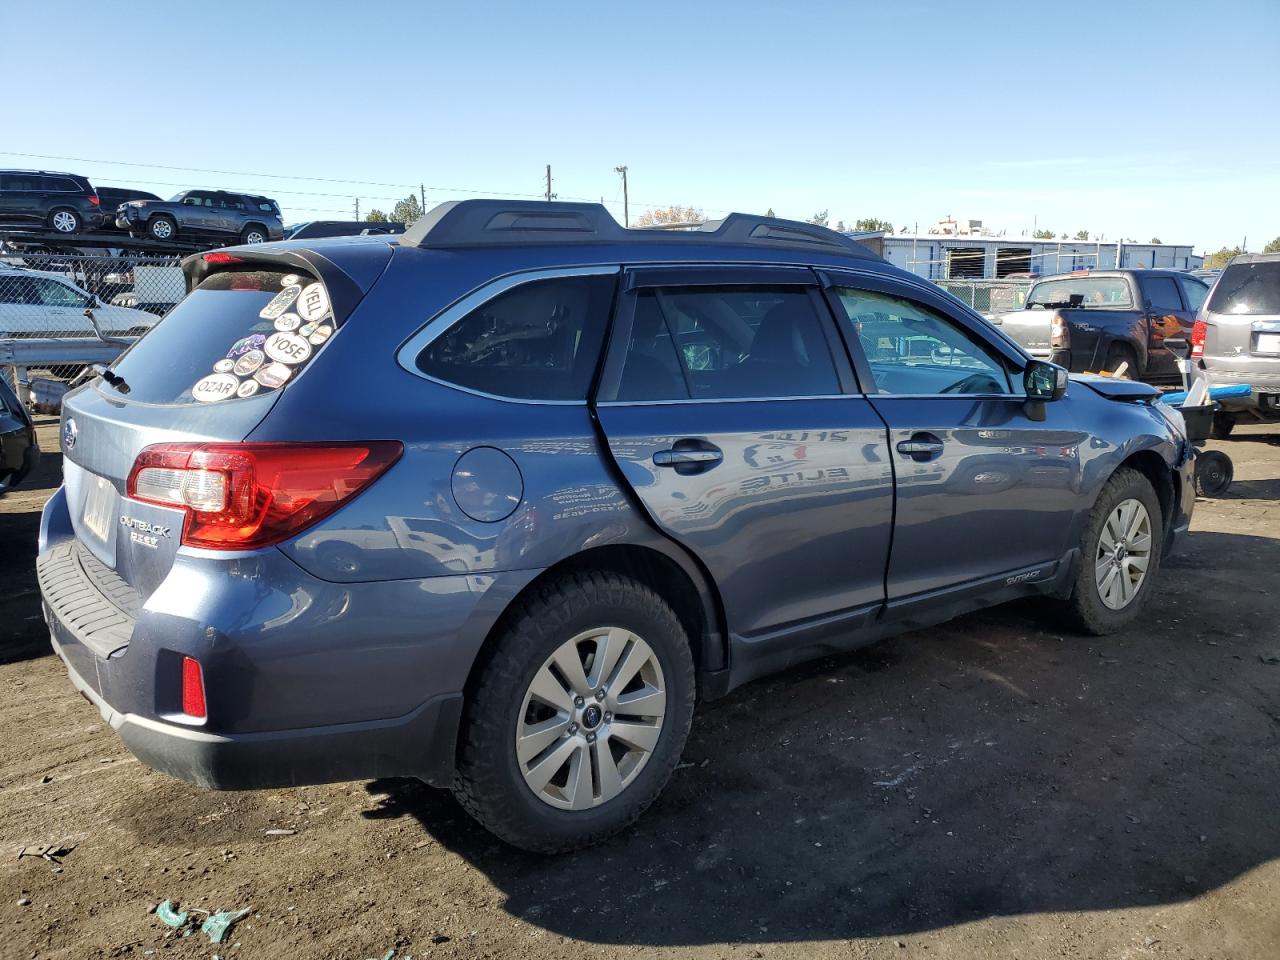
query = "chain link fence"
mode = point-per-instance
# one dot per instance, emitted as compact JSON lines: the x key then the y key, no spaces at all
{"x":989,"y":296}
{"x":61,"y":313}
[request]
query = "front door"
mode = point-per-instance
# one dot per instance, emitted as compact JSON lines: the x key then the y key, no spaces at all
{"x":983,"y":490}
{"x":740,"y":431}
{"x":1168,"y":318}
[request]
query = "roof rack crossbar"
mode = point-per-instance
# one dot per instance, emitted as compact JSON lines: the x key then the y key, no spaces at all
{"x":474,"y":223}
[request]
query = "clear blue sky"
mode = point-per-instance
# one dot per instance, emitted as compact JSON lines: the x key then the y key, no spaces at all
{"x":1133,"y":119}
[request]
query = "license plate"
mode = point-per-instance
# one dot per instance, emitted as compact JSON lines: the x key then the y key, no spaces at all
{"x":99,"y":506}
{"x":1267,"y":343}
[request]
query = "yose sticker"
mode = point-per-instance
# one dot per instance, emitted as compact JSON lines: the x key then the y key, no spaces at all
{"x":216,"y":386}
{"x":288,"y":348}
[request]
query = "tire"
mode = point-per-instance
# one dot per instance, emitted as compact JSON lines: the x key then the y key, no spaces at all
{"x":1214,"y":473}
{"x":162,"y":227}
{"x":65,"y":220}
{"x":1223,"y":424}
{"x":1119,"y":354}
{"x":1092,"y":608}
{"x":496,"y":783}
{"x":254,"y":234}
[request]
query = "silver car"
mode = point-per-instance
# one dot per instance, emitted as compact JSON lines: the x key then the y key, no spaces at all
{"x":1237,"y":338}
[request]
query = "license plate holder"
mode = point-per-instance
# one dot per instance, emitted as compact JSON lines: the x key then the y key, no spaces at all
{"x":99,"y":505}
{"x":1267,"y":343}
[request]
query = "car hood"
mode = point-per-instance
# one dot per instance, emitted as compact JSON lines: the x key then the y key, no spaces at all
{"x":1115,"y":388}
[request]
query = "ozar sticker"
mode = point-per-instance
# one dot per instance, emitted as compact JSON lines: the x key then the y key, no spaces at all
{"x":224,"y":365}
{"x":313,"y":304}
{"x":281,"y":302}
{"x":288,"y":348}
{"x":321,"y":335}
{"x":289,"y":279}
{"x":247,"y":389}
{"x":273,"y":375}
{"x":288,"y":321}
{"x":248,"y":363}
{"x":245,"y":344}
{"x":216,"y":386}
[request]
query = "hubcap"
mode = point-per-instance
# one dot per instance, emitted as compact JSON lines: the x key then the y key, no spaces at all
{"x":161,"y":229}
{"x":591,"y":718}
{"x":254,"y":237}
{"x":64,"y":222}
{"x":1124,"y":554}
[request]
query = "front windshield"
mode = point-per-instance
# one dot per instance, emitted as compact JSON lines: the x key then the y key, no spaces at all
{"x":1099,"y":292}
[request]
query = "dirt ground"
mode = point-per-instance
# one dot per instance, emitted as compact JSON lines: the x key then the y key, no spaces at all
{"x":990,"y":788}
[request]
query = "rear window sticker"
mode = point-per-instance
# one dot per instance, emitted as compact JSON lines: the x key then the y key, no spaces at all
{"x":321,"y":335}
{"x":313,"y":304}
{"x":281,"y":302}
{"x":287,"y":348}
{"x":245,"y":344}
{"x":250,"y":362}
{"x":273,"y":375}
{"x":224,"y":365}
{"x":288,"y":321}
{"x":247,"y":389}
{"x":290,"y":279}
{"x":216,"y":386}
{"x":307,"y":329}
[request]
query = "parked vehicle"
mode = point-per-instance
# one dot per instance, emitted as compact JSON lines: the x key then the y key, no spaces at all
{"x":37,"y":199}
{"x":19,"y":451}
{"x":1236,"y":339}
{"x":203,"y":214}
{"x":485,"y":504}
{"x":112,"y":198}
{"x":340,"y":228}
{"x":36,"y":303}
{"x":1098,"y":320}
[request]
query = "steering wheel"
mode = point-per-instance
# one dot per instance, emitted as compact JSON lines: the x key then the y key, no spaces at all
{"x":976,"y":383}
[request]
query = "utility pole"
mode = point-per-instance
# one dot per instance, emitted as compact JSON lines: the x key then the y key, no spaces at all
{"x":550,"y":196}
{"x":422,"y":197}
{"x":626,"y":209}
{"x":357,"y":209}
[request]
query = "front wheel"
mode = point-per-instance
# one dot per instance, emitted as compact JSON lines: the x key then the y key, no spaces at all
{"x":162,"y":228}
{"x":1120,"y":554}
{"x":253,"y":234}
{"x":578,"y":715}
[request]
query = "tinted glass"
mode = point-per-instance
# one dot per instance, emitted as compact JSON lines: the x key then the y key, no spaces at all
{"x":225,"y":328}
{"x":62,"y":185}
{"x":1161,"y":293}
{"x":913,"y":350}
{"x":54,"y":294}
{"x":1193,"y":291}
{"x":748,"y":342}
{"x":1248,"y":289}
{"x":17,"y":290}
{"x":20,"y":181}
{"x":651,"y":370}
{"x":537,"y":341}
{"x":1103,"y":292}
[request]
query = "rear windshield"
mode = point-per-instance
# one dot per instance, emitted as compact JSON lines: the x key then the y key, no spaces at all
{"x":237,"y":335}
{"x":1248,"y":289}
{"x":1102,"y":292}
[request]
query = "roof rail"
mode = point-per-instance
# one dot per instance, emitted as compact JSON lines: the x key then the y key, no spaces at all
{"x":476,"y":223}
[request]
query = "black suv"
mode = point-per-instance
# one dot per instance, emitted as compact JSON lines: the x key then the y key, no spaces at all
{"x":203,"y":214}
{"x":63,"y":202}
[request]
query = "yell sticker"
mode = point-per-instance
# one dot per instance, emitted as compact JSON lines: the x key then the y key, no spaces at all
{"x":313,"y":303}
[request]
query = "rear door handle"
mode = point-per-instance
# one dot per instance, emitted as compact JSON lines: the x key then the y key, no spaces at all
{"x":921,"y":447}
{"x":689,"y":456}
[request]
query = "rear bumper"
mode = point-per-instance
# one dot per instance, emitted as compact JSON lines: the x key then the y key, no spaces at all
{"x":1264,"y":388}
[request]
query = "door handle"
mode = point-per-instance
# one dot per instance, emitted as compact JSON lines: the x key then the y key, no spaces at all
{"x":689,"y":456}
{"x":921,"y":447}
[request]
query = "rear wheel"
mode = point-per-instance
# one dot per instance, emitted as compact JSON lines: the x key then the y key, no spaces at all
{"x":1119,"y":554}
{"x":65,"y":220}
{"x":162,"y":228}
{"x":253,"y":234}
{"x":578,"y":715}
{"x":1223,"y":424}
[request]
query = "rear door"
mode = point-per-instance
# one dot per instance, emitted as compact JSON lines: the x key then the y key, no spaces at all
{"x":983,"y":491}
{"x":1168,"y":318}
{"x":741,"y":432}
{"x":20,"y":198}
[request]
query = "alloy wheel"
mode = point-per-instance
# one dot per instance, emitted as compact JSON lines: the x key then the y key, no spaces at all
{"x":591,"y":718}
{"x":161,"y":229}
{"x":64,"y":221}
{"x":253,"y":236}
{"x":1124,"y":554}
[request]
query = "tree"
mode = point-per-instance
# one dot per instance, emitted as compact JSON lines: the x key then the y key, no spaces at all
{"x":1273,"y":246}
{"x":1082,"y":234}
{"x":1043,"y":235}
{"x":770,"y":213}
{"x":820,"y":218}
{"x":673,"y":214}
{"x":377,"y":216}
{"x":839,"y":226}
{"x":407,"y":210}
{"x":871,"y":225}
{"x":1155,"y":240}
{"x":1216,"y":261}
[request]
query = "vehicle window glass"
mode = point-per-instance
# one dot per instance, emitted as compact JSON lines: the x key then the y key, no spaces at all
{"x":537,"y":341}
{"x":740,"y":343}
{"x":651,"y":370}
{"x":914,"y":350}
{"x":267,"y":207}
{"x":1194,"y":292}
{"x":1100,"y":292}
{"x":62,"y":185}
{"x":17,"y":290}
{"x":1251,"y":289}
{"x":18,"y":181}
{"x":54,"y":294}
{"x":1161,"y":293}
{"x":191,"y":200}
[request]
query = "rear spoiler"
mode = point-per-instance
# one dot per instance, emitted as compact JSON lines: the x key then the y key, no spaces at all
{"x":1115,"y":388}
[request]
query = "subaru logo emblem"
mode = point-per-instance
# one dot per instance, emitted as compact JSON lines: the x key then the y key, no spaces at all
{"x":69,"y":433}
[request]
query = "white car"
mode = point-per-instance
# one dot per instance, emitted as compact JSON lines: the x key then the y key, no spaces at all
{"x":35,"y":303}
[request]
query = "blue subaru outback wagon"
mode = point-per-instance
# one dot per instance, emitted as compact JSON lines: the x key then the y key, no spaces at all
{"x":491,"y":503}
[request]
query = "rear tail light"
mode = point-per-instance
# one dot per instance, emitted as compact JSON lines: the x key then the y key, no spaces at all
{"x":239,"y":496}
{"x":1199,"y":333}
{"x":93,"y":200}
{"x":221,"y":258}
{"x":193,"y":704}
{"x":1058,"y":332}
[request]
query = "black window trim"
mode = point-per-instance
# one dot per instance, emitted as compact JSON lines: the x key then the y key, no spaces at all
{"x":408,"y":351}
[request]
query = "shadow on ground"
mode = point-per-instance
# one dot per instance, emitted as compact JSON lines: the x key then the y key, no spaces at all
{"x":24,"y":634}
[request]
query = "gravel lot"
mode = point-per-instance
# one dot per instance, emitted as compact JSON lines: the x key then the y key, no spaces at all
{"x":989,"y":788}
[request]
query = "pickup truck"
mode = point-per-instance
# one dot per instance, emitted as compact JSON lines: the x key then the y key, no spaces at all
{"x":1096,"y":320}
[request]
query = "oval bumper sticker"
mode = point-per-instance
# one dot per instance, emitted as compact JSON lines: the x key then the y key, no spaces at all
{"x":247,"y":389}
{"x":287,"y":348}
{"x":321,"y":334}
{"x":216,"y":386}
{"x":250,"y":362}
{"x":281,"y":302}
{"x":313,"y":304}
{"x":224,"y":365}
{"x":287,"y":322}
{"x":245,"y":344}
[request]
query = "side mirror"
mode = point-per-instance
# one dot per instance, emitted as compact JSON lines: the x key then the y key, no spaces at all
{"x":1044,"y":381}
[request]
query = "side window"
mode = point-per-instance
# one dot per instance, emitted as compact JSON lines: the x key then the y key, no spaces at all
{"x":730,"y":343}
{"x":192,"y":200}
{"x":537,"y":341}
{"x":1194,"y":292}
{"x":913,"y":350}
{"x":54,"y":294}
{"x":1161,"y":293}
{"x":62,"y":185}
